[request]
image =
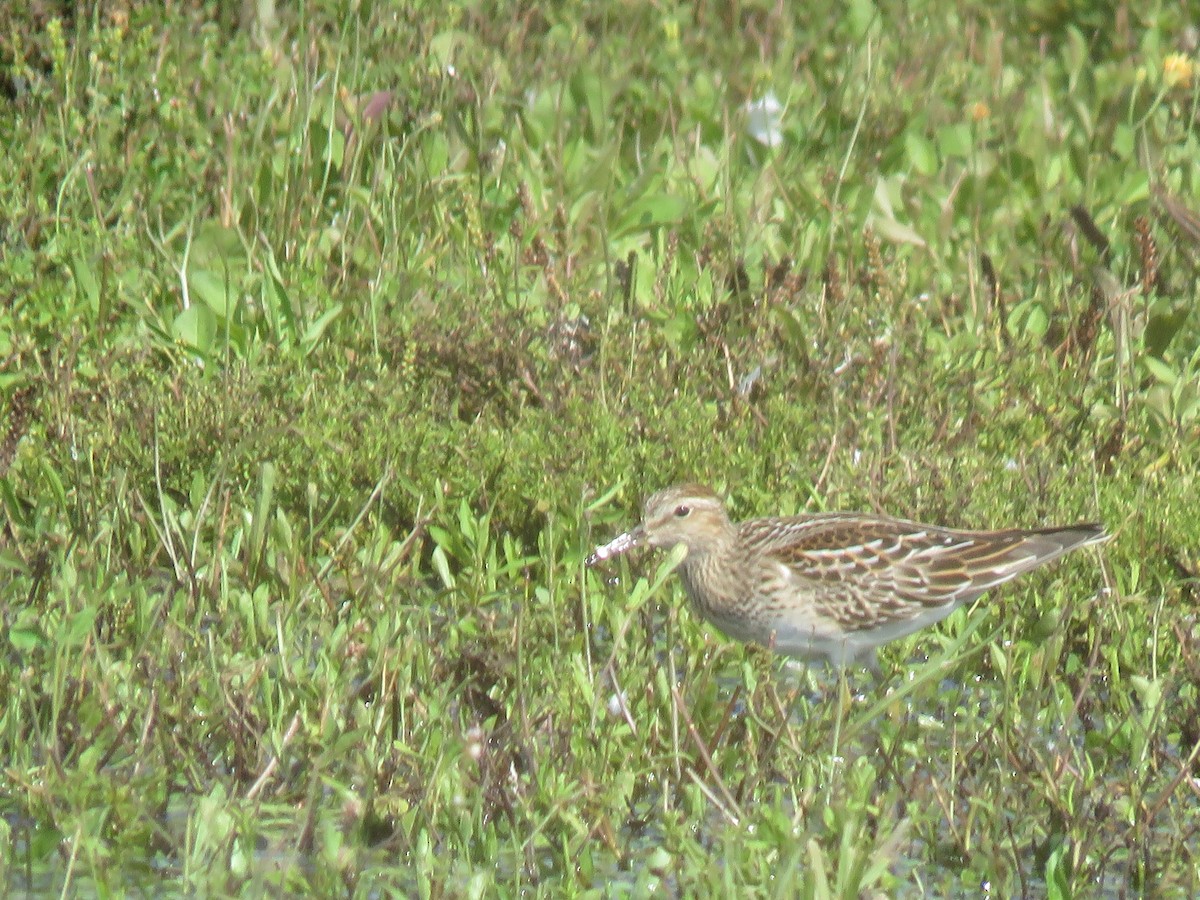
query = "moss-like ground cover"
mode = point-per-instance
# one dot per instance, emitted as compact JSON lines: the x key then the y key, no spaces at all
{"x":333,"y":336}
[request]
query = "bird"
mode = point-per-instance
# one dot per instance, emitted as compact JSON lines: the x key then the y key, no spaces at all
{"x":832,"y":587}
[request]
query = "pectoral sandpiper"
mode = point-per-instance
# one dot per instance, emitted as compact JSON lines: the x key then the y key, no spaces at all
{"x":835,"y":586}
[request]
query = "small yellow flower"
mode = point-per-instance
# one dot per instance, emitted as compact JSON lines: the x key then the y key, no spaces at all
{"x":670,"y":32}
{"x":1178,"y":70}
{"x":979,"y":111}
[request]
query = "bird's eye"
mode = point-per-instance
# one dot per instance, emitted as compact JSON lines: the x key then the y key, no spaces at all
{"x":682,"y":511}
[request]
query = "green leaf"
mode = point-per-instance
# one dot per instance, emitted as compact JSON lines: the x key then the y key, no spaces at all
{"x":1123,"y":142}
{"x":1163,"y":325}
{"x":445,"y":46}
{"x":895,"y":232}
{"x":793,"y":330}
{"x":1135,"y":188}
{"x":27,"y":639}
{"x":262,"y":512}
{"x":55,"y":483}
{"x":79,"y":626}
{"x":1161,"y":372}
{"x":650,"y":211}
{"x":442,"y":566}
{"x":196,"y":327}
{"x":314,"y":332}
{"x":86,"y":281}
{"x":276,"y":297}
{"x":922,"y":155}
{"x":17,"y":510}
{"x":212,"y":289}
{"x":955,"y":141}
{"x":862,"y":15}
{"x":587,"y":90}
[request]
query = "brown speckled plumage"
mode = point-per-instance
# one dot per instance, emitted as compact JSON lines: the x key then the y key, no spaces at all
{"x":832,"y":586}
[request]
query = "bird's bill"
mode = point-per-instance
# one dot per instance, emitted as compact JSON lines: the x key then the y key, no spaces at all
{"x":617,"y":545}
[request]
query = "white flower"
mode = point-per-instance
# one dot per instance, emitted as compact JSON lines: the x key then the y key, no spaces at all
{"x":763,"y":119}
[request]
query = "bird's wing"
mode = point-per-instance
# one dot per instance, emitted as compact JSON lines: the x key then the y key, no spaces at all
{"x":868,"y":571}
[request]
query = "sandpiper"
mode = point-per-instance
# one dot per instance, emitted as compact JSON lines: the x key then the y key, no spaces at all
{"x":834,"y":586}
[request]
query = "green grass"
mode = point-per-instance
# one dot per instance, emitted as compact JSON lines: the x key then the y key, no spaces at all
{"x":331,"y":343}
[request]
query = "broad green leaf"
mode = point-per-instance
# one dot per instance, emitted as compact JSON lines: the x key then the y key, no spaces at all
{"x":955,"y":141}
{"x":650,"y":211}
{"x":921,"y":152}
{"x":196,"y":327}
{"x":1163,"y":373}
{"x":211,"y":288}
